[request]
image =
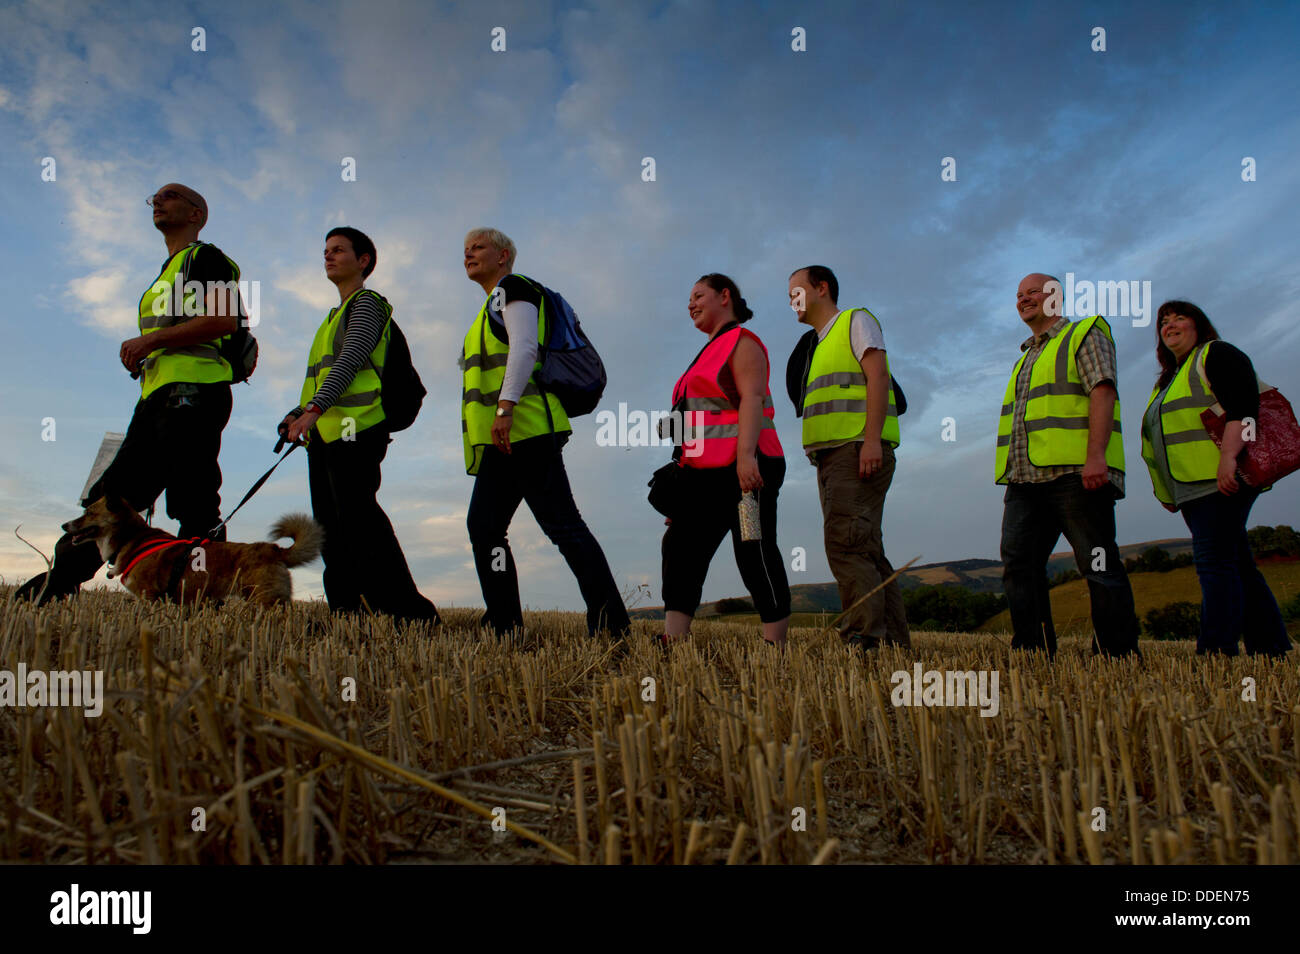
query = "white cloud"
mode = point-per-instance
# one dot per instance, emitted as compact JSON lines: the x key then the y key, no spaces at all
{"x":308,"y":284}
{"x":101,"y":295}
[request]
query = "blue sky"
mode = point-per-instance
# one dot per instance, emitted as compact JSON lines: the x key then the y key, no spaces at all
{"x":1116,"y":165}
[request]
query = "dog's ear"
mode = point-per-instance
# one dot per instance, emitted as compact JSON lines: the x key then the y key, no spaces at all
{"x":115,"y":504}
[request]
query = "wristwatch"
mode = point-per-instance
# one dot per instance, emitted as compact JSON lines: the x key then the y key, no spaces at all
{"x":502,"y":412}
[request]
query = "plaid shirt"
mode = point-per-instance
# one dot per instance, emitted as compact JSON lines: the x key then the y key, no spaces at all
{"x":1095,"y":361}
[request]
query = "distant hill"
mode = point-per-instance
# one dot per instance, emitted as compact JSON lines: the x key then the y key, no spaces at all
{"x":981,"y":576}
{"x":1071,"y":613}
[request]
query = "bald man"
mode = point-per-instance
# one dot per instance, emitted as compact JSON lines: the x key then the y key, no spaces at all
{"x":175,"y":433}
{"x":1061,"y":456}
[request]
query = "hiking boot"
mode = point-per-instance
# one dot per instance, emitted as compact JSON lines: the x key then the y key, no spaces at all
{"x":862,"y":642}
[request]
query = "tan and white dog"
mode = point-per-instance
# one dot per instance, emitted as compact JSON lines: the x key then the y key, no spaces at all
{"x":153,"y":564}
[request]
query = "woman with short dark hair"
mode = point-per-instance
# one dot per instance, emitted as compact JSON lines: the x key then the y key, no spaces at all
{"x":729,"y":448}
{"x":342,"y":419}
{"x":1189,"y":473}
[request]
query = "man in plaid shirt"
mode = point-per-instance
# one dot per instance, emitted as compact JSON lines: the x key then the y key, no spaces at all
{"x":1061,"y":455}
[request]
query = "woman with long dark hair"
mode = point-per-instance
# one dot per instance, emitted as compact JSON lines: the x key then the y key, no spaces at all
{"x":1190,"y":474}
{"x":729,"y":448}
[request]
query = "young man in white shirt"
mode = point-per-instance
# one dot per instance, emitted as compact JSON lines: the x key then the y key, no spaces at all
{"x":850,"y":431}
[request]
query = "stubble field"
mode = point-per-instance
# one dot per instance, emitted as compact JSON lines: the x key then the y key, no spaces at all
{"x":235,"y":735}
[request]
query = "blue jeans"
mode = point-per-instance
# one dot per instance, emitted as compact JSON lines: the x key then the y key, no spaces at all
{"x":1235,"y":598}
{"x":1033,"y":519}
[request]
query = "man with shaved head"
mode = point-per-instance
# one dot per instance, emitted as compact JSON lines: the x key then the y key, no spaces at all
{"x":1061,"y":456}
{"x":174,"y":436}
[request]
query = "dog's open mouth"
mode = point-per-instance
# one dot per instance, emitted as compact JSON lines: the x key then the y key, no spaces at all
{"x":82,"y":534}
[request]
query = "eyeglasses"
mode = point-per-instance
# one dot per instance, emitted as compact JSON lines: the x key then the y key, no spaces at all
{"x":152,"y":201}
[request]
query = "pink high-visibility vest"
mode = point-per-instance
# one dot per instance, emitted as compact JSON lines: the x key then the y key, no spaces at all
{"x":711,"y":421}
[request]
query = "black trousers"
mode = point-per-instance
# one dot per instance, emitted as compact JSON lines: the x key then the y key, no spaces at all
{"x":710,"y":512}
{"x":1034,"y":518}
{"x":533,"y":472}
{"x":171,"y":445}
{"x":361,"y":553}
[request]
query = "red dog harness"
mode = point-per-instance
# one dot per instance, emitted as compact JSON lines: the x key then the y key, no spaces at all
{"x":149,"y":551}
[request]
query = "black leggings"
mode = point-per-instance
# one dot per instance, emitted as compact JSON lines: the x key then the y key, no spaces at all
{"x":710,"y":511}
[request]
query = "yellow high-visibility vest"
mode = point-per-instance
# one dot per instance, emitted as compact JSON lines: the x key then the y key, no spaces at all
{"x":198,"y":363}
{"x":835,"y":393}
{"x":361,"y":401}
{"x":483,"y":370}
{"x":1190,"y":452}
{"x":1056,"y":415}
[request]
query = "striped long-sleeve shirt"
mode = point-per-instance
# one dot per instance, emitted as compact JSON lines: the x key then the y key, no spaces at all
{"x":365,"y":325}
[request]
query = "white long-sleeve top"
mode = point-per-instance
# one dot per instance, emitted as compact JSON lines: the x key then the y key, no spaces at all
{"x":521,"y":328}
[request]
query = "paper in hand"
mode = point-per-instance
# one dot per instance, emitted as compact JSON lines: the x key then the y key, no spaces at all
{"x":107,"y":451}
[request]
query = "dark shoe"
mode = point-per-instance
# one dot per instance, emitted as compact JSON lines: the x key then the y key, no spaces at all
{"x":32,"y":588}
{"x":619,"y":649}
{"x":41,"y":592}
{"x":526,"y":641}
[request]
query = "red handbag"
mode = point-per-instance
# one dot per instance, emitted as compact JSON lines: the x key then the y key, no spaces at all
{"x":1275,"y":451}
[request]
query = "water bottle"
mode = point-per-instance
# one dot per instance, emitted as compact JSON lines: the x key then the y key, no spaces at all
{"x":751,"y":527}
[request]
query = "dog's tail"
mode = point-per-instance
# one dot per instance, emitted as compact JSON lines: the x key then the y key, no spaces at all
{"x":307,"y":536}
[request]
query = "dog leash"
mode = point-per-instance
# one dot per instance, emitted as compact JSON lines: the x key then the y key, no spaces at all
{"x":256,"y":487}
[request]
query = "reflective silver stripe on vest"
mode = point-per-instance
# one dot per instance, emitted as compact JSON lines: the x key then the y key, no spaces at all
{"x":717,"y":404}
{"x":1188,"y":403}
{"x":326,"y":362}
{"x":1065,"y":423}
{"x":1186,"y":437}
{"x":1056,"y":388}
{"x":475,"y":396}
{"x":713,"y":432}
{"x":841,"y":406}
{"x":707,"y":404}
{"x":157,"y":321}
{"x":842,"y":378}
{"x":1004,"y":440}
{"x":356,"y":400}
{"x":194,"y":350}
{"x":1063,"y":356}
{"x":484,"y":361}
